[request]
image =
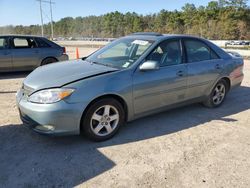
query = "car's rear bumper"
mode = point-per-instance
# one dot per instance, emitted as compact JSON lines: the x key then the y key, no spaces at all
{"x":60,"y":118}
{"x":236,"y":81}
{"x":63,"y":57}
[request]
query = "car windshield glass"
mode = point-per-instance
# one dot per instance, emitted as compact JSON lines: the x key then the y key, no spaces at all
{"x":121,"y":53}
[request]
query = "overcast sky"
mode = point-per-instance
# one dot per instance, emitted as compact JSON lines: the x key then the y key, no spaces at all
{"x":26,"y":12}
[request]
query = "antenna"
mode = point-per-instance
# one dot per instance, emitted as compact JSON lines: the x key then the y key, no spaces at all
{"x":51,"y":16}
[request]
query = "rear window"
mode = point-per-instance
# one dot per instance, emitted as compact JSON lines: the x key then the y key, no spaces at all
{"x":41,"y":43}
{"x":198,"y":51}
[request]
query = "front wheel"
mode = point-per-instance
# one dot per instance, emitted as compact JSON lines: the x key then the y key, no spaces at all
{"x":103,"y":119}
{"x":218,"y":94}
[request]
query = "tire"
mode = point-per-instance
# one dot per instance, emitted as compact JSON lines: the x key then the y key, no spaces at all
{"x":48,"y":60}
{"x":218,"y":95}
{"x":103,"y":119}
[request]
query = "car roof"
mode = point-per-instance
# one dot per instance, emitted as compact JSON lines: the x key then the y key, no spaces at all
{"x":159,"y":36}
{"x":17,"y":35}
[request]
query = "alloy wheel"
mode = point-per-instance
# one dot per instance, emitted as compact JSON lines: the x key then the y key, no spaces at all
{"x":104,"y":120}
{"x":219,"y":94}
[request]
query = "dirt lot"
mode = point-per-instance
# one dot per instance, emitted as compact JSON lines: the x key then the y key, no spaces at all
{"x":188,"y":147}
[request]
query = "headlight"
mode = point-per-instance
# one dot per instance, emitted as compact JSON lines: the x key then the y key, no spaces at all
{"x":49,"y":96}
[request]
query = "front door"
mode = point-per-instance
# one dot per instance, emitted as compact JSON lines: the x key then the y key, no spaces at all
{"x":5,"y":55}
{"x":155,"y":89}
{"x":26,"y":55}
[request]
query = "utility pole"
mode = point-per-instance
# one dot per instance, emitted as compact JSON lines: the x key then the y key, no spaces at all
{"x":41,"y":13}
{"x":51,"y":16}
{"x":51,"y":19}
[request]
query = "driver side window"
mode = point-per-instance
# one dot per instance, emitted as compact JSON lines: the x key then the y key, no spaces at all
{"x":167,"y":53}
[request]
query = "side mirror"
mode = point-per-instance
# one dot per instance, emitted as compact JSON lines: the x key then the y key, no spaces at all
{"x":149,"y":65}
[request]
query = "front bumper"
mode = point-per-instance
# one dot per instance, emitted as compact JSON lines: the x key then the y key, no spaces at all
{"x":59,"y":118}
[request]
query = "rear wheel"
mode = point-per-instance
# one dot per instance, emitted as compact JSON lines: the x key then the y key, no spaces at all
{"x":48,"y":61}
{"x":218,"y":94}
{"x":103,"y":119}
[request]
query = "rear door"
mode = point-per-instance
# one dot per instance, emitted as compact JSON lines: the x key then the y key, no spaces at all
{"x":45,"y":49}
{"x":5,"y":55}
{"x":26,"y":55}
{"x":203,"y":66}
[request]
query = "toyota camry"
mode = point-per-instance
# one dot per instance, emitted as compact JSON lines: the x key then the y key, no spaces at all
{"x":131,"y":77}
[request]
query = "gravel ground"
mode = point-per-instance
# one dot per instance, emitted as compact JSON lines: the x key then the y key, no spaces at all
{"x":187,"y":147}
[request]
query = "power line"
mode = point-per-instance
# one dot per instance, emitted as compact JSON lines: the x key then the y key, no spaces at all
{"x":51,"y":16}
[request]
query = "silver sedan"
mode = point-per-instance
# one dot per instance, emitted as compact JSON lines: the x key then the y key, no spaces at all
{"x":132,"y":77}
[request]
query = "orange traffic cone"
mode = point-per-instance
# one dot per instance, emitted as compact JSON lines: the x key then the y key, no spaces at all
{"x":77,"y":53}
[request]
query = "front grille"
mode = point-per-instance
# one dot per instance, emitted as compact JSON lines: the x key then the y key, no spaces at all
{"x":27,"y":121}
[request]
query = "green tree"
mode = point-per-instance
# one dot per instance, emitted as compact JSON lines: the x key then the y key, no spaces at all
{"x":222,"y":19}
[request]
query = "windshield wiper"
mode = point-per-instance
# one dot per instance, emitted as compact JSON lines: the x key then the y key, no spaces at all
{"x":110,"y":65}
{"x":104,"y":64}
{"x":93,"y":62}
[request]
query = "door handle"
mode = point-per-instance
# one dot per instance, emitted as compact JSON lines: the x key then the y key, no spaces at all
{"x":180,"y":73}
{"x":217,"y":66}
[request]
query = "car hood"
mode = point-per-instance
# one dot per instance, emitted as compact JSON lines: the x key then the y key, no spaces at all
{"x":59,"y":74}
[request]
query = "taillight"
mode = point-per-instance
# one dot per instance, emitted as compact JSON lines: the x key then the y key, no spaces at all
{"x":64,"y":50}
{"x":237,"y":72}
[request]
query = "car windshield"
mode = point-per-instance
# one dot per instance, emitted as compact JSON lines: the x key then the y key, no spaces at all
{"x":121,"y":53}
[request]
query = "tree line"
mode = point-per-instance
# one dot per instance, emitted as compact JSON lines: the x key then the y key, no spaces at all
{"x":223,"y":19}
